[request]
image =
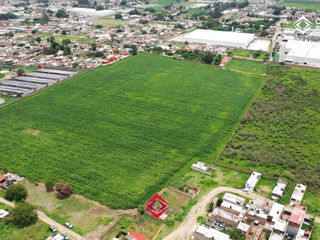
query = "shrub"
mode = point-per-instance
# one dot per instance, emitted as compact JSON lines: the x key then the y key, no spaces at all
{"x":63,"y":190}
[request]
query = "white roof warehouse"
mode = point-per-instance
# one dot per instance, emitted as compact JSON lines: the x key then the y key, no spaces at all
{"x":302,"y":53}
{"x":218,"y":38}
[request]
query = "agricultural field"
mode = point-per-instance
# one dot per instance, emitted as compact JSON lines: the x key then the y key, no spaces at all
{"x":302,"y":4}
{"x":120,"y":133}
{"x":279,"y":135}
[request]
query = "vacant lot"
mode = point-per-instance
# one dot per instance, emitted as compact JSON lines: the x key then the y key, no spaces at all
{"x":119,"y":133}
{"x":279,"y":135}
{"x":303,"y":4}
{"x":246,"y":66}
{"x":109,"y":22}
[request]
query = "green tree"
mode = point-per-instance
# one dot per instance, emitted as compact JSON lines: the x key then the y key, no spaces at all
{"x":67,"y":51}
{"x":217,"y":59}
{"x":38,"y":39}
{"x":134,"y":49}
{"x":235,"y":234}
{"x":20,"y":71}
{"x":118,"y":16}
{"x":210,"y":207}
{"x":49,"y":186}
{"x":75,"y":65}
{"x":207,"y":58}
{"x":61,"y":13}
{"x":23,"y":215}
{"x":66,"y":41}
{"x":141,"y":210}
{"x":93,"y":47}
{"x":16,"y":192}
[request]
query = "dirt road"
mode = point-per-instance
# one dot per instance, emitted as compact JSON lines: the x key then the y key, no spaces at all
{"x":185,"y":230}
{"x":49,"y":221}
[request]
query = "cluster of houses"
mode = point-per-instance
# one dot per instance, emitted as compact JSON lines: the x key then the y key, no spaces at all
{"x":9,"y":179}
{"x":259,"y":218}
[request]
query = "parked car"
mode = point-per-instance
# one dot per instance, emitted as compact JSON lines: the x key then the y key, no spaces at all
{"x":53,"y":228}
{"x":65,"y":237}
{"x":68,"y":225}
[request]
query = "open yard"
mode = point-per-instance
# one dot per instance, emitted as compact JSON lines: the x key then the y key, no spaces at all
{"x":302,"y":4}
{"x":279,"y":135}
{"x":120,"y":133}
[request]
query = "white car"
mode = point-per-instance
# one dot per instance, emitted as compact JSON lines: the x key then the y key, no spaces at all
{"x":68,"y":225}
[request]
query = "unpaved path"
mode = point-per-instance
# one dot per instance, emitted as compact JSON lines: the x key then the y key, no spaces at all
{"x":185,"y":230}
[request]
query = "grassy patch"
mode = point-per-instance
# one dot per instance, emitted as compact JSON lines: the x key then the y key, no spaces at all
{"x":241,"y":52}
{"x":39,"y":231}
{"x":316,"y":232}
{"x":119,"y":133}
{"x":246,"y":66}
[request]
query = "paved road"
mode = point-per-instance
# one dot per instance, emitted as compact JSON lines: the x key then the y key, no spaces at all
{"x":49,"y":221}
{"x":185,"y":230}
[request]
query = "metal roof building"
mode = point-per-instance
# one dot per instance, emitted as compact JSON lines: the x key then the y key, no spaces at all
{"x":19,"y":91}
{"x":218,"y":38}
{"x":26,"y":85}
{"x":36,"y":80}
{"x":302,"y":53}
{"x":56,"y":71}
{"x":45,"y":75}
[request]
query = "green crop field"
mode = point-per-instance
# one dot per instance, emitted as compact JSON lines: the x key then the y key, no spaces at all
{"x":279,"y":135}
{"x":119,"y":133}
{"x":302,"y":4}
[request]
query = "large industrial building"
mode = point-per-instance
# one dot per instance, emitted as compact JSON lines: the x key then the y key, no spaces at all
{"x":218,"y":38}
{"x":302,"y":53}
